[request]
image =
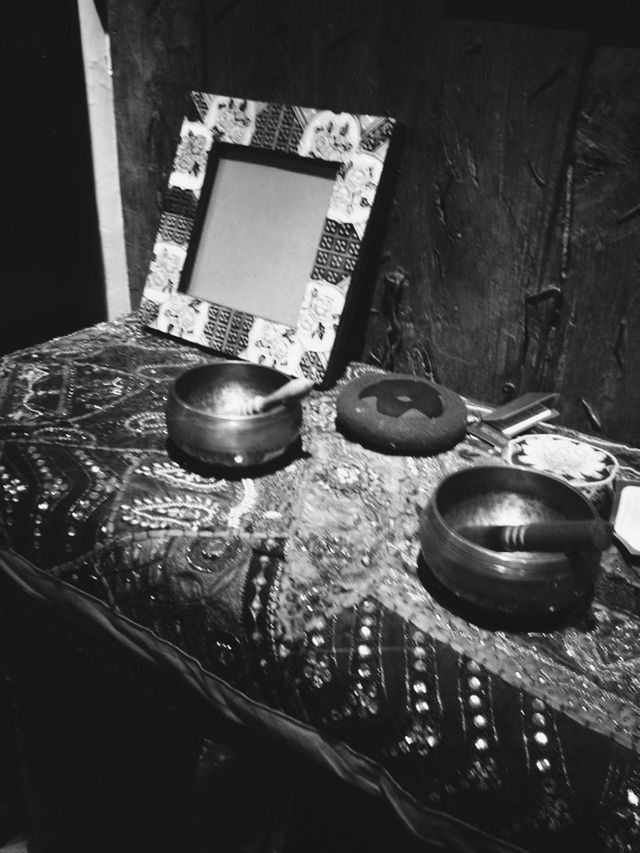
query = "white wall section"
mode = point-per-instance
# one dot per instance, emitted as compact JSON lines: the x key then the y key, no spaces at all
{"x":96,"y":54}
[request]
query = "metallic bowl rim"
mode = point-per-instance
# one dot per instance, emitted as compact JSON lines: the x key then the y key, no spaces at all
{"x":240,"y":418}
{"x":463,"y":546}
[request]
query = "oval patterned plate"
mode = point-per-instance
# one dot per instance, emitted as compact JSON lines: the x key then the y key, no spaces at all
{"x":582,"y":465}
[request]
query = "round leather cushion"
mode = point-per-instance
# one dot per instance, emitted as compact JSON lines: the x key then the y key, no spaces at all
{"x":399,"y":413}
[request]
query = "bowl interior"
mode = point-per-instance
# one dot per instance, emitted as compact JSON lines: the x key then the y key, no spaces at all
{"x":223,"y":389}
{"x":502,"y":506}
{"x":507,"y":496}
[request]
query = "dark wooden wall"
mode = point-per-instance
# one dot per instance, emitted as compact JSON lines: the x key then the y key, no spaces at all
{"x":512,"y":253}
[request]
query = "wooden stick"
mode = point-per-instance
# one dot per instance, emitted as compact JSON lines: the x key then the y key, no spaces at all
{"x":292,"y":390}
{"x":541,"y":536}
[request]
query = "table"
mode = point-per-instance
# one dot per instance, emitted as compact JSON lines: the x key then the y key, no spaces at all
{"x":294,"y":602}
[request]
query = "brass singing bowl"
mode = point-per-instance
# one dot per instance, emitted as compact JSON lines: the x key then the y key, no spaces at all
{"x":514,"y":582}
{"x":203,"y":417}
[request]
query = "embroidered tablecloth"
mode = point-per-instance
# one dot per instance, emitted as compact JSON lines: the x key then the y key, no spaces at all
{"x":294,"y":601}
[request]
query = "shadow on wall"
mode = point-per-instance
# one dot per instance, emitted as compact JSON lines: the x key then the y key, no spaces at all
{"x":55,"y":282}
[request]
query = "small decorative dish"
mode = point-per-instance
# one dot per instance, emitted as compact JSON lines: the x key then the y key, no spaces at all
{"x":506,"y":582}
{"x":589,"y":469}
{"x":207,"y":419}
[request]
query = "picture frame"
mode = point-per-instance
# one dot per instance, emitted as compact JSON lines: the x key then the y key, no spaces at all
{"x":321,"y":154}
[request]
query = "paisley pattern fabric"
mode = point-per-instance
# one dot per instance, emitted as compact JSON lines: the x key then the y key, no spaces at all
{"x":297,"y":601}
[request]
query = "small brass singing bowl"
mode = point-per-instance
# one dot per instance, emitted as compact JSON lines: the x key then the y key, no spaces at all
{"x":204,"y":417}
{"x":506,"y":582}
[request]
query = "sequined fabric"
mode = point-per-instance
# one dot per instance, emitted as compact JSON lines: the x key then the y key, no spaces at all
{"x":301,"y":590}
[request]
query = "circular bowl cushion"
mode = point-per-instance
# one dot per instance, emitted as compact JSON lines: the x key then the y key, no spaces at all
{"x":399,"y":413}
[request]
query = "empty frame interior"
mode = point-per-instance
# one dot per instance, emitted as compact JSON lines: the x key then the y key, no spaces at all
{"x":260,"y":231}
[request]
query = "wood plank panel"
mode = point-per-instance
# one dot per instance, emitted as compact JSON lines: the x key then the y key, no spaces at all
{"x":493,"y":176}
{"x":593,"y":357}
{"x":487,"y":109}
{"x":476,"y":225}
{"x":316,"y":54}
{"x":374,"y":57}
{"x":157,"y":56}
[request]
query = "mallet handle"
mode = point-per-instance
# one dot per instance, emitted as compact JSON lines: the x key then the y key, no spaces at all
{"x":541,"y":536}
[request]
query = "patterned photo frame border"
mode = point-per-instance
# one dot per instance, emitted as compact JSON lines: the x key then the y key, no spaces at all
{"x":359,"y":143}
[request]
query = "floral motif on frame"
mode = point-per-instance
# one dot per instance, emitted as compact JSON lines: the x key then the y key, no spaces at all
{"x":358,"y":143}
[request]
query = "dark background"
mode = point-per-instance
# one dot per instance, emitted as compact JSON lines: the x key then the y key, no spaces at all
{"x":54,"y":282}
{"x":511,"y":259}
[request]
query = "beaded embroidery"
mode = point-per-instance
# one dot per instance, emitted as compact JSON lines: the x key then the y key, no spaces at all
{"x":299,"y":589}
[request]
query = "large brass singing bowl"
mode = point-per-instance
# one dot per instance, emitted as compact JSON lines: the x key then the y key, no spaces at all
{"x":203,"y":419}
{"x":506,"y":582}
